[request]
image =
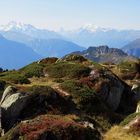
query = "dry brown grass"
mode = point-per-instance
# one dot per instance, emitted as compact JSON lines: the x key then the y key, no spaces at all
{"x":118,"y":133}
{"x":40,"y":81}
{"x":43,"y":81}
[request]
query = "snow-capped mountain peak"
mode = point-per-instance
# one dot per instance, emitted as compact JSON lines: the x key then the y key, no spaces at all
{"x":16,"y":26}
{"x":94,"y":28}
{"x":21,"y":29}
{"x":90,"y":27}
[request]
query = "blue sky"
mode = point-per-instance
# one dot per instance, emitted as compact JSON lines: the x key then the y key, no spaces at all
{"x":70,"y":14}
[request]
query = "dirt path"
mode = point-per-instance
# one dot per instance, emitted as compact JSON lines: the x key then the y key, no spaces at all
{"x":62,"y":92}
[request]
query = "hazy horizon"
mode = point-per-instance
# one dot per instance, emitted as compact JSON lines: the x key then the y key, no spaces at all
{"x":70,"y":14}
{"x":64,"y":28}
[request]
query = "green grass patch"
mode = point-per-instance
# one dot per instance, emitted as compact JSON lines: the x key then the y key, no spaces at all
{"x":83,"y":96}
{"x":14,"y":77}
{"x":67,"y":69}
{"x":33,"y":69}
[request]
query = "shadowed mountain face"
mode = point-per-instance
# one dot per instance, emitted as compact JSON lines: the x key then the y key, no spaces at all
{"x":54,"y":47}
{"x":15,"y":55}
{"x":105,"y":54}
{"x":44,"y":47}
{"x":133,"y":48}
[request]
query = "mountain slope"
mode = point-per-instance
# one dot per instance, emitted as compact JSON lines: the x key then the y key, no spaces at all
{"x":44,"y":47}
{"x":14,"y":55}
{"x":54,"y":47}
{"x":133,"y":48}
{"x":105,"y":54}
{"x":17,"y":36}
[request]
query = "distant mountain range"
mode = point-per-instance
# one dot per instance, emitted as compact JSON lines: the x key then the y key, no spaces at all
{"x":103,"y":54}
{"x":44,"y":42}
{"x":133,"y":48}
{"x":89,"y":35}
{"x":29,"y":43}
{"x":15,"y":55}
{"x":28,"y":30}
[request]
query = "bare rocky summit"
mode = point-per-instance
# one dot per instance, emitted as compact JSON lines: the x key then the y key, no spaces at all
{"x":104,"y":54}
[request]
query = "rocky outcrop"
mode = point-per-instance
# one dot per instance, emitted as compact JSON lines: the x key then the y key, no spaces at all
{"x":18,"y":106}
{"x":49,"y":60}
{"x":113,"y":99}
{"x":110,"y":89}
{"x":8,"y":92}
{"x":12,"y":104}
{"x":105,"y":54}
{"x":74,"y":58}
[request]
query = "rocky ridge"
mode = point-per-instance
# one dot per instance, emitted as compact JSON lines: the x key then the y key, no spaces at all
{"x":104,"y":54}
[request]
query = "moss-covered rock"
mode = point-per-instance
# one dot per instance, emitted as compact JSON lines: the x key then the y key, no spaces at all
{"x":74,"y":58}
{"x":49,"y":60}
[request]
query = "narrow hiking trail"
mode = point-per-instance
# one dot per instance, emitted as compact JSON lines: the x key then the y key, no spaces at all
{"x":60,"y":91}
{"x":47,"y":82}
